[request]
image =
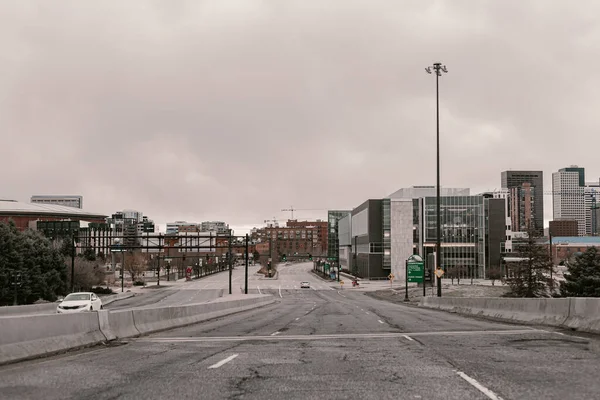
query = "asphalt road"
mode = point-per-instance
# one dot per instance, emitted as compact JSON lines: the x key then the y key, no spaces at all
{"x":323,"y":344}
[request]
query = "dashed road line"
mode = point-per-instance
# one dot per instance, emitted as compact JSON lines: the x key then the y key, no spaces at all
{"x":280,"y":292}
{"x":223,"y":362}
{"x":259,"y":292}
{"x":275,"y":333}
{"x":408,"y":337}
{"x":487,"y":392}
{"x":380,"y":321}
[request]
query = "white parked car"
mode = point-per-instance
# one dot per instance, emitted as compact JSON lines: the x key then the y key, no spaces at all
{"x":305,"y":285}
{"x":79,"y":302}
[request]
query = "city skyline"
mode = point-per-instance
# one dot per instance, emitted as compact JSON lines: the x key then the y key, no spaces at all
{"x":318,"y":114}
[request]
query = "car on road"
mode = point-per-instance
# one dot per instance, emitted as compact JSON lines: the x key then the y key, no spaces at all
{"x":79,"y":302}
{"x":305,"y":285}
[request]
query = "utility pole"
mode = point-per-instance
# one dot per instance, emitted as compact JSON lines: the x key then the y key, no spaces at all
{"x":73,"y":263}
{"x":246,"y":272}
{"x":229,"y":258}
{"x":123,"y":271}
{"x":438,"y":68}
{"x":158,"y":260}
{"x":16,"y":283}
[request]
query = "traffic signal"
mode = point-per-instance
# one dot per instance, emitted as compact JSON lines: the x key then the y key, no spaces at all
{"x":310,"y":256}
{"x":283,"y":257}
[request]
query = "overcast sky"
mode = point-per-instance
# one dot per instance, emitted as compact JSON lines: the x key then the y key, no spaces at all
{"x":232,"y":110}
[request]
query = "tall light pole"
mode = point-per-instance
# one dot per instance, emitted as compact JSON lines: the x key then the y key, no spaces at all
{"x":438,"y":68}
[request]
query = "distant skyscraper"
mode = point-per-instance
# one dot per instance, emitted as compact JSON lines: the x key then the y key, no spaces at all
{"x":592,"y":201}
{"x":568,"y":200}
{"x":68,"y":201}
{"x":526,"y":198}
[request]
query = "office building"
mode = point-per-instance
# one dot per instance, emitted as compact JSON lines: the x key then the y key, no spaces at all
{"x":380,"y":234}
{"x":333,"y":243}
{"x":563,"y":228}
{"x":526,"y":199}
{"x":176,"y":227}
{"x":591,"y":202}
{"x":219,"y":227}
{"x":568,"y":195}
{"x":68,"y":201}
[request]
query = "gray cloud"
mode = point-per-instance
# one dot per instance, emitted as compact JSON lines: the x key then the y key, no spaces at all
{"x":236,"y":109}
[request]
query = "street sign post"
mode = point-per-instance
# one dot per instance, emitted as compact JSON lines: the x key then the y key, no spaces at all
{"x":415,"y":272}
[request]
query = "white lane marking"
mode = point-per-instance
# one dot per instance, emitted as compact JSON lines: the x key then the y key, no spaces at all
{"x":408,"y":337}
{"x":341,"y":294}
{"x":366,"y":312}
{"x":331,"y":288}
{"x":222,"y":362}
{"x":380,"y":321}
{"x":275,"y":333}
{"x":313,"y":288}
{"x":259,"y":292}
{"x":489,"y":394}
{"x":297,"y":318}
{"x":280,"y":292}
{"x":362,"y":309}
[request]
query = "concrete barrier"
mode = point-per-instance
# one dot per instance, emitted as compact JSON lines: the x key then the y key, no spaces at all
{"x":29,"y":336}
{"x":120,"y":324}
{"x":45,"y":308}
{"x":149,"y":320}
{"x":114,"y":297}
{"x":545,"y":311}
{"x":50,"y":308}
{"x":584,"y":314}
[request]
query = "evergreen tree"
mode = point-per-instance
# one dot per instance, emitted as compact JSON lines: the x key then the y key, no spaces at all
{"x":583,"y":276}
{"x":31,"y":257}
{"x":531,"y":276}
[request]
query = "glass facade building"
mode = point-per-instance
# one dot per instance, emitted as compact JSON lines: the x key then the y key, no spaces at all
{"x":333,"y":242}
{"x":472,"y":229}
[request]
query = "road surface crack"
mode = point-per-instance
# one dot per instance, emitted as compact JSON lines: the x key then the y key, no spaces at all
{"x":241,"y":384}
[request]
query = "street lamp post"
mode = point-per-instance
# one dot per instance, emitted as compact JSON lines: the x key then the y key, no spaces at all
{"x":438,"y":68}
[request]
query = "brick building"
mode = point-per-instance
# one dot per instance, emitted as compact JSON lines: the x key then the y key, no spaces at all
{"x":302,"y":237}
{"x":563,"y":228}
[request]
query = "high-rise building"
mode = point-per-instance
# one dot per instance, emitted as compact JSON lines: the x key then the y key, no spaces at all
{"x":68,"y":201}
{"x":526,"y":198}
{"x":592,"y":202}
{"x":568,"y":196}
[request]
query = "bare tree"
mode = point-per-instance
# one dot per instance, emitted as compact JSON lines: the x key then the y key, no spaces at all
{"x":87,"y":273}
{"x":136,"y":265}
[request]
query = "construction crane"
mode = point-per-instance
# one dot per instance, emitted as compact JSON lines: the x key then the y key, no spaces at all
{"x":292,"y":209}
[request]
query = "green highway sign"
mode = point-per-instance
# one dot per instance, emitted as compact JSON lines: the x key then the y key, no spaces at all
{"x":415,"y":268}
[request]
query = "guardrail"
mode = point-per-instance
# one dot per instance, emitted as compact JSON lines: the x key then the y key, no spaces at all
{"x":30,"y":336}
{"x":579,"y":313}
